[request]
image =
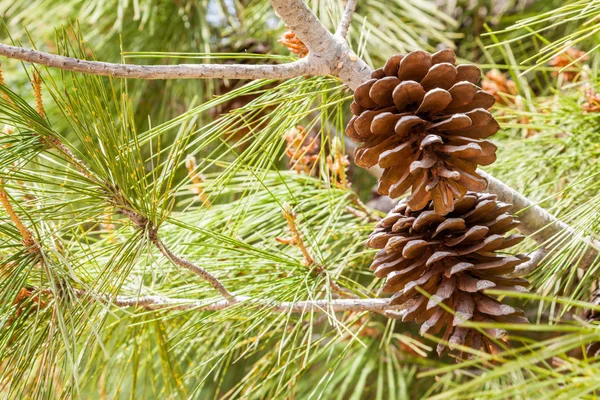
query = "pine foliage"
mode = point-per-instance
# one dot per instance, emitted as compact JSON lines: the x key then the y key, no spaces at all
{"x":108,"y":187}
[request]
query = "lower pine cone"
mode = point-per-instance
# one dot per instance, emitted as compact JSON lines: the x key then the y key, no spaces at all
{"x":454,"y":259}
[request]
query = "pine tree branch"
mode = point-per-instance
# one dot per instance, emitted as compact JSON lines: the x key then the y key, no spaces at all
{"x":342,"y":29}
{"x":137,"y":219}
{"x":184,"y":263}
{"x":539,"y":224}
{"x":335,"y":305}
{"x":329,"y":55}
{"x":181,"y":71}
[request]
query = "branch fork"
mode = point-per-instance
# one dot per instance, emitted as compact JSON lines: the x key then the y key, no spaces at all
{"x":329,"y":54}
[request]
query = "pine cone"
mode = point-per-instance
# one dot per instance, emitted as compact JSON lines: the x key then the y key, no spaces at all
{"x":424,"y":121}
{"x":453,"y":258}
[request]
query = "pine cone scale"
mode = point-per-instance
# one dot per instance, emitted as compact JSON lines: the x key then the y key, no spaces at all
{"x":440,"y":76}
{"x":434,"y":101}
{"x":407,"y":93}
{"x":414,"y":66}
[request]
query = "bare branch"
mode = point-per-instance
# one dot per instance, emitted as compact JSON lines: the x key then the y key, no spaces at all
{"x":328,"y":55}
{"x":336,"y":305}
{"x":155,"y":302}
{"x":201,"y":272}
{"x":342,"y":29}
{"x":181,"y":71}
{"x":538,"y":223}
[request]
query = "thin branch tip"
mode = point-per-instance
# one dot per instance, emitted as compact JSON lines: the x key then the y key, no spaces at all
{"x":303,"y":306}
{"x":344,"y":25}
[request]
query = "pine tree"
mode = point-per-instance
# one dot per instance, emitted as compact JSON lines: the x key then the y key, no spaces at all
{"x":184,"y":215}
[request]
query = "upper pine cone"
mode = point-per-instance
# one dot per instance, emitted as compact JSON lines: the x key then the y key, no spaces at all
{"x":453,"y":258}
{"x":424,"y":121}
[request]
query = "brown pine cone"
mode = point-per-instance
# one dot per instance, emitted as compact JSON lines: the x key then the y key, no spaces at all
{"x":424,"y":121}
{"x":454,"y":258}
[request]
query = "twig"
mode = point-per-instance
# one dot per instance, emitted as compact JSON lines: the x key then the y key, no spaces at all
{"x":337,"y":305}
{"x":342,"y":29}
{"x":538,"y":223}
{"x":181,"y":71}
{"x":154,"y":302}
{"x":201,"y":272}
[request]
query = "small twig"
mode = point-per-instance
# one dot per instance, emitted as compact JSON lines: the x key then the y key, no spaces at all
{"x":342,"y":29}
{"x":160,"y":302}
{"x":181,"y":71}
{"x":201,"y":272}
